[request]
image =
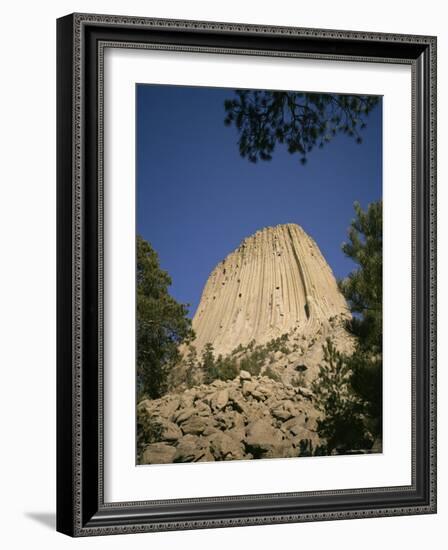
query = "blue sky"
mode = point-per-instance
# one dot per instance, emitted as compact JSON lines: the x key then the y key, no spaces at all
{"x":197,"y":198}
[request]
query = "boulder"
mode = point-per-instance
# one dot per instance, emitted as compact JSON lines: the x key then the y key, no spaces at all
{"x":281,"y":413}
{"x":256,"y":410}
{"x":219,"y":400}
{"x":186,"y":400}
{"x":158,"y":453}
{"x":237,"y":401}
{"x":263,"y":385}
{"x":191,"y":449}
{"x":244,"y":375}
{"x":169,"y":407}
{"x":258,"y":395}
{"x":295,"y":426}
{"x":286,"y":410}
{"x":262,"y":437}
{"x":170,"y":431}
{"x":284,"y":449}
{"x":249,"y":388}
{"x":225,"y":447}
{"x":195,"y":425}
{"x":238,"y":433}
{"x":227,"y":420}
{"x":209,"y":430}
{"x":184,"y":415}
{"x":202,"y":409}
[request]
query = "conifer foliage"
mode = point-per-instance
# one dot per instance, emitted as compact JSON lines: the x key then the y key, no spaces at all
{"x":341,"y":424}
{"x":299,"y":120}
{"x":162,"y":324}
{"x":363,"y":289}
{"x":348,"y":388}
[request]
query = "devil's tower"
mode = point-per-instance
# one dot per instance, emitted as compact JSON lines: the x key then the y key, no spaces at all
{"x":267,"y":310}
{"x":275,"y":282}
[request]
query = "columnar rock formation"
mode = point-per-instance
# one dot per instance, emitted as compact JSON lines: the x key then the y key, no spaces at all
{"x":267,"y":310}
{"x":277,"y":280}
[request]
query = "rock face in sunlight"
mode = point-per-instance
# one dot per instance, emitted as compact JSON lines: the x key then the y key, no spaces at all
{"x":275,"y":282}
{"x":242,"y":388}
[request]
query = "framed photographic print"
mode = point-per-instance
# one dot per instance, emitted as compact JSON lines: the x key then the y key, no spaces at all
{"x":246,"y":274}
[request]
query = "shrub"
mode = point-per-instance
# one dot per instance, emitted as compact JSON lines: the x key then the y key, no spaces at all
{"x":238,"y":349}
{"x":342,"y":424}
{"x":270,"y":373}
{"x":278,"y":344}
{"x":251,"y":345}
{"x":222,"y":368}
{"x":254,"y":362}
{"x":226,"y":368}
{"x":299,"y":381}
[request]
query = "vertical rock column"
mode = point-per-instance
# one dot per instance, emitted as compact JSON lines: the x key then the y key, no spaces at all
{"x":277,"y":280}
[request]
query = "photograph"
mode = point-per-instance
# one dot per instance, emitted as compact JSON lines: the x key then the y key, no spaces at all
{"x":224,"y":233}
{"x":246,"y":273}
{"x":258,"y":273}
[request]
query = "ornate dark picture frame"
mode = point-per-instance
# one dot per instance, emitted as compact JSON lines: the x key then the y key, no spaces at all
{"x":81,"y":509}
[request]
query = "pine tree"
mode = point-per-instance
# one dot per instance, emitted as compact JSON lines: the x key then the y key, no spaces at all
{"x":299,"y":120}
{"x":191,"y":365}
{"x":342,"y":423}
{"x":363,"y":291}
{"x":162,"y":323}
{"x":208,"y":363}
{"x":363,"y":288}
{"x":348,"y":389}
